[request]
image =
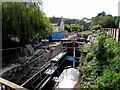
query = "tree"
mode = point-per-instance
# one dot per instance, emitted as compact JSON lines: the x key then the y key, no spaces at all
{"x":67,"y":27}
{"x":117,"y":20}
{"x":75,"y":27}
{"x":85,"y":22}
{"x":23,"y":22}
{"x":102,"y":13}
{"x":106,"y":21}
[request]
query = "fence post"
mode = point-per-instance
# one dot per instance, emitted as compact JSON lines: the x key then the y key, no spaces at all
{"x":118,"y":34}
{"x":111,"y":31}
{"x":115,"y":34}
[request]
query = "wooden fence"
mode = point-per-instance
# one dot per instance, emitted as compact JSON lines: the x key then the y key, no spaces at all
{"x":114,"y":32}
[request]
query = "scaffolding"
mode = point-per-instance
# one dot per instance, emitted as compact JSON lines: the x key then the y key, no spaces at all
{"x":36,"y":69}
{"x":30,"y":69}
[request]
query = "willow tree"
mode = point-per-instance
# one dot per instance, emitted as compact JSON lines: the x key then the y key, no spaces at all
{"x":23,"y":22}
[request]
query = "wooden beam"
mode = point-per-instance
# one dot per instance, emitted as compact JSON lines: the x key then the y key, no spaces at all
{"x":11,"y":85}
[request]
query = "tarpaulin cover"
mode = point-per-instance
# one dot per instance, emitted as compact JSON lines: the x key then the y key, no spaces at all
{"x":71,"y":59}
{"x":57,"y":35}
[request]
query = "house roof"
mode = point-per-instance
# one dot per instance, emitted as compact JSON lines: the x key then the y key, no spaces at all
{"x":71,"y":21}
{"x":55,"y":21}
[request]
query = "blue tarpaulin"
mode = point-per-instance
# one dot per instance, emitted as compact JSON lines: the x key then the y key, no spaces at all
{"x":71,"y":59}
{"x":57,"y":35}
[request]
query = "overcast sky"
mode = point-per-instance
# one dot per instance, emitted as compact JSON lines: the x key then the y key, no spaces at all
{"x":79,"y":8}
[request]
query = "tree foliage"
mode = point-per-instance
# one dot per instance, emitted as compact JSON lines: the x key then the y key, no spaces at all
{"x":106,"y":21}
{"x":23,"y":22}
{"x":70,"y":28}
{"x":117,"y":20}
{"x":85,"y":22}
{"x":102,"y":13}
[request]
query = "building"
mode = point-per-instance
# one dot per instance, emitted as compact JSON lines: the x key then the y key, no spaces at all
{"x":58,"y":24}
{"x":71,"y":21}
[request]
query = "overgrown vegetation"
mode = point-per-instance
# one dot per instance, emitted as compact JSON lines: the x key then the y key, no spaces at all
{"x":101,"y":67}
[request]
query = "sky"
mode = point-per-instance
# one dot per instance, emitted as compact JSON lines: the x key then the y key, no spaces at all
{"x":78,"y":9}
